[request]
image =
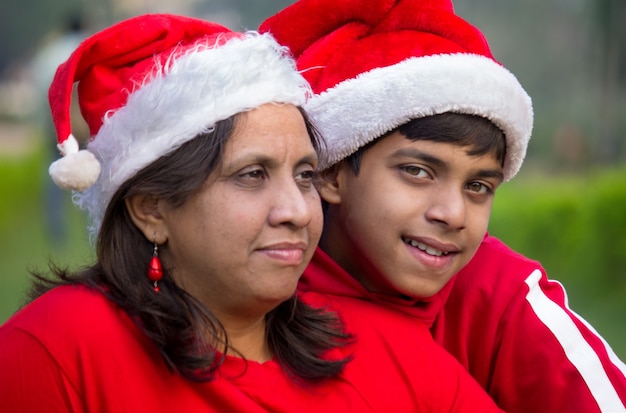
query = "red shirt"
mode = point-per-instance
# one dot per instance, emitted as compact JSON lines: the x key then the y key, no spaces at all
{"x":510,"y":327}
{"x":72,"y":350}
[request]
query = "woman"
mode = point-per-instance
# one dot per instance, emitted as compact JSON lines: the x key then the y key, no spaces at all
{"x":198,"y":181}
{"x":176,"y":171}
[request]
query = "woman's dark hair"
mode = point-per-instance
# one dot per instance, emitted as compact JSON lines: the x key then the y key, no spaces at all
{"x":475,"y":132}
{"x":176,"y":322}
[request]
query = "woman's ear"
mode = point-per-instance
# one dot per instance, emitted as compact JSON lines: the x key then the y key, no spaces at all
{"x":327,"y":184}
{"x":145,"y":212}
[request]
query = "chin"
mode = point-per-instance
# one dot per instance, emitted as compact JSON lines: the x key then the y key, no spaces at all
{"x":271,"y":303}
{"x":279,"y":295}
{"x":422,"y":291}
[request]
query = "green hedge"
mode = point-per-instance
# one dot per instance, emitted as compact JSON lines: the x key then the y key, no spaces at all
{"x":576,"y":226}
{"x":24,"y":242}
{"x":20,"y":184}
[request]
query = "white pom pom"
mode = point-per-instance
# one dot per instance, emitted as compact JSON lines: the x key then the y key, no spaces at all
{"x":76,"y":171}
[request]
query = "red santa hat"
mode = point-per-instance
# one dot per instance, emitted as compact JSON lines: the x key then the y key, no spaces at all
{"x":376,"y":64}
{"x":151,"y":83}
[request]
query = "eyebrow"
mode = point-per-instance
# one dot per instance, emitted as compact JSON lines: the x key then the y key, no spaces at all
{"x":260,"y":158}
{"x":432,"y":160}
{"x":419,"y":155}
{"x":312,"y":159}
{"x":491,"y":173}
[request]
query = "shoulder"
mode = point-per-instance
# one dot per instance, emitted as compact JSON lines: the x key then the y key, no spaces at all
{"x":496,"y":268}
{"x":495,"y":254}
{"x":501,"y":302}
{"x":498,"y":282}
{"x":417,"y":372}
{"x":69,"y":315}
{"x":362,"y":315}
{"x":75,"y":302}
{"x":376,"y":329}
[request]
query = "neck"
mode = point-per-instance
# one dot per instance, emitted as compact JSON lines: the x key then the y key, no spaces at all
{"x":332,"y":241}
{"x":247,"y":338}
{"x":245,"y":328}
{"x":337,"y":245}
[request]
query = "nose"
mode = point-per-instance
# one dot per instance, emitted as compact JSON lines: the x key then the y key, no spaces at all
{"x":291,"y":205}
{"x":448,"y":208}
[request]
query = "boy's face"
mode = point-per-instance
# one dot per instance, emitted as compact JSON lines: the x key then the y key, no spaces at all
{"x":412,"y":217}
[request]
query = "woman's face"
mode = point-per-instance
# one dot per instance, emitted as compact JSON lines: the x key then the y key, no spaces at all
{"x":241,"y":244}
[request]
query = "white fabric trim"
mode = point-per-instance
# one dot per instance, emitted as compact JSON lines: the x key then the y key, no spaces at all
{"x":359,"y":110}
{"x":187,"y":97}
{"x":621,"y":366}
{"x":576,"y":348}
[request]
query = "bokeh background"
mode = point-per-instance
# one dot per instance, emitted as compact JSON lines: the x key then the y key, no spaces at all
{"x":566,"y":208}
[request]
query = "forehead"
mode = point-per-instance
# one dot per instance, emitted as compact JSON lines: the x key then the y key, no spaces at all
{"x":477,"y":139}
{"x":271,"y":129}
{"x":398,"y":146}
{"x":476,"y":133}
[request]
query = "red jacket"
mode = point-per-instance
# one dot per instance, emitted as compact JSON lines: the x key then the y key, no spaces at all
{"x":72,"y":350}
{"x":511,"y":328}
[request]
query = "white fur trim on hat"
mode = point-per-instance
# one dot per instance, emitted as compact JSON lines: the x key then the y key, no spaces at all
{"x":359,"y":110}
{"x":182,"y":100}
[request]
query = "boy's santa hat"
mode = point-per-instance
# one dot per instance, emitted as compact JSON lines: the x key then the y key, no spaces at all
{"x":376,"y":64}
{"x":151,"y":83}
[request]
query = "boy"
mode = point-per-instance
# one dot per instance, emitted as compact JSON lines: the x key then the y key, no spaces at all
{"x":403,"y":92}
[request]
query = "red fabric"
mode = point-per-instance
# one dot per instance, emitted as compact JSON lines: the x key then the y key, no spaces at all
{"x":397,"y":363}
{"x":73,"y":351}
{"x":484,"y":319}
{"x":112,"y":63}
{"x":325,"y":276}
{"x":326,"y":34}
{"x":488,"y":324}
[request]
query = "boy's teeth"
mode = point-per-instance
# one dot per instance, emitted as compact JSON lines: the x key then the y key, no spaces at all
{"x":423,"y":247}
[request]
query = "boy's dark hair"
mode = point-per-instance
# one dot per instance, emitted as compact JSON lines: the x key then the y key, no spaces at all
{"x":477,"y":133}
{"x":175,"y":321}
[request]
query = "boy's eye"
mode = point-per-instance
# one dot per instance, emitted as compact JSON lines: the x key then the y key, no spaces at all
{"x":478,"y":188}
{"x":415,"y":171}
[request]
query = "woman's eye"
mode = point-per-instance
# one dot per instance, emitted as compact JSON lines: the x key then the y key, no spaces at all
{"x":254,"y":174}
{"x":305,"y":178}
{"x":306,"y":174}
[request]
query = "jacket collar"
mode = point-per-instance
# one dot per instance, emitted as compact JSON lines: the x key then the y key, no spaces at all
{"x":323,"y":275}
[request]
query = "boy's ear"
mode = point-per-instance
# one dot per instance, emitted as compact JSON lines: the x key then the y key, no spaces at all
{"x":328,"y":184}
{"x":145,"y":212}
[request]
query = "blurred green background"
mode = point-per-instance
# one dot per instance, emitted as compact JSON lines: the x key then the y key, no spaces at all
{"x":566,"y":208}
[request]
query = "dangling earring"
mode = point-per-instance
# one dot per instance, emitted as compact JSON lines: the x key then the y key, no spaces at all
{"x":155,"y":272}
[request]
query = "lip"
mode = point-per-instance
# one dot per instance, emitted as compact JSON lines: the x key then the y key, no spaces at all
{"x":446,"y":247}
{"x":290,"y":253}
{"x":437,"y":254}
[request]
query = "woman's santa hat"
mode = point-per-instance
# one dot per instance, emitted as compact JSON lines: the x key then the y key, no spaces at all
{"x":151,"y":83}
{"x":376,"y":64}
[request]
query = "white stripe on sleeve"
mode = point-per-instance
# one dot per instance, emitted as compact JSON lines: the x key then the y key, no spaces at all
{"x":576,"y":348}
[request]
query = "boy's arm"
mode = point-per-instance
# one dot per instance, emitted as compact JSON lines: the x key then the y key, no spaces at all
{"x":512,"y":329}
{"x":396,"y":366}
{"x":559,"y":362}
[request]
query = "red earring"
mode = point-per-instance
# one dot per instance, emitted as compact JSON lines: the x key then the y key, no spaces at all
{"x":155,"y":272}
